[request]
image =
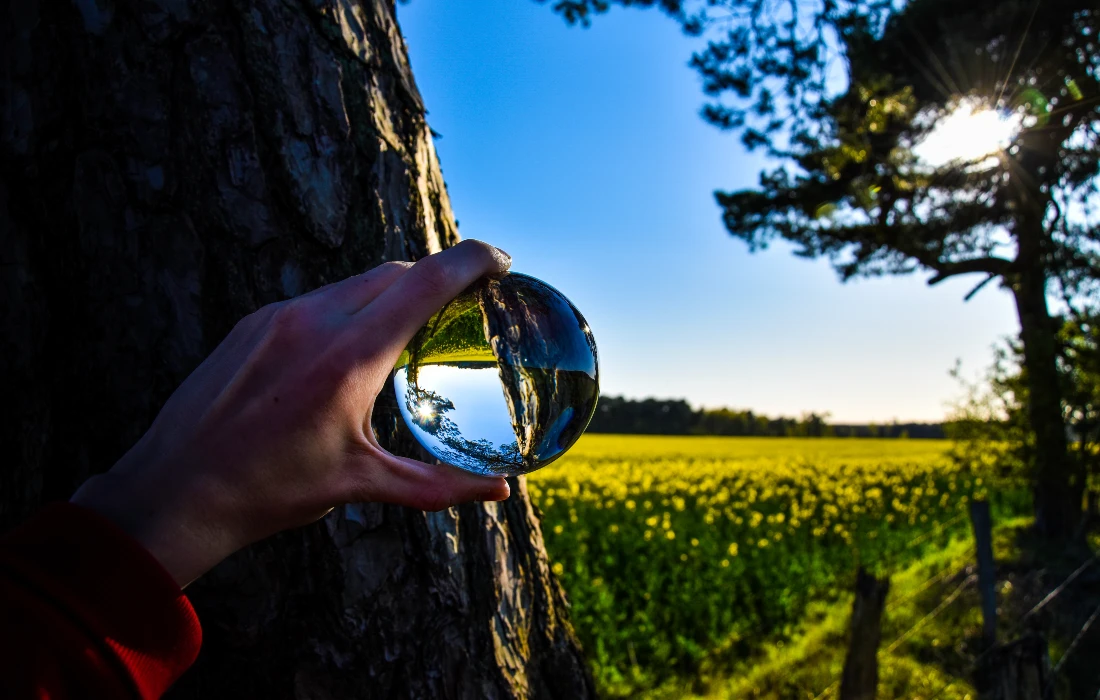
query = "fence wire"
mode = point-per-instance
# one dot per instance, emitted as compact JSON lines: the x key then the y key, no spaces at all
{"x":1054,"y":594}
{"x":953,"y":570}
{"x":1049,"y":689}
{"x":948,"y":600}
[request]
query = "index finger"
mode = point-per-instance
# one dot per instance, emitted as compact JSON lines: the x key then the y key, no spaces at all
{"x":395,"y":316}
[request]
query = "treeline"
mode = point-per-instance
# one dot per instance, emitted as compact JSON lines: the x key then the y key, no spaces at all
{"x":616,"y":414}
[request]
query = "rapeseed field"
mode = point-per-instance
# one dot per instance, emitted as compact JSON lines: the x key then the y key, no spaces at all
{"x":675,"y":549}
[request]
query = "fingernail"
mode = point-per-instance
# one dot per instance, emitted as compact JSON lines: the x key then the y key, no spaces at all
{"x":504,"y":489}
{"x":506,"y":260}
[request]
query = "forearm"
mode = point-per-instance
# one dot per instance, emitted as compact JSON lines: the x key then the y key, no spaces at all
{"x":186,"y":533}
{"x":87,"y":612}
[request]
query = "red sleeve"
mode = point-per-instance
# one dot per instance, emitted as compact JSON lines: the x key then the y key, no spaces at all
{"x":87,"y":612}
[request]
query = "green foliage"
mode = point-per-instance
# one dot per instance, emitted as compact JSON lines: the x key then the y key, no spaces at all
{"x":620,"y":415}
{"x":678,"y":552}
{"x":1079,"y":361}
{"x":855,"y":191}
{"x":989,"y":424}
{"x":676,"y":417}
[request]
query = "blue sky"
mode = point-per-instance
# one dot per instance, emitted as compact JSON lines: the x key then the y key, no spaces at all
{"x":582,"y":154}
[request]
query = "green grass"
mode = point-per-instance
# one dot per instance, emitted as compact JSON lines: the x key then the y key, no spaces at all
{"x":924,"y":623}
{"x":931,"y":630}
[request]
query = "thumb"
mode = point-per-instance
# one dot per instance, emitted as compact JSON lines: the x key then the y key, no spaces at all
{"x":387,"y":478}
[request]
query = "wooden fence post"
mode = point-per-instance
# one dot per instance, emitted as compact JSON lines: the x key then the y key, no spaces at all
{"x":860,"y":678}
{"x":987,"y":573}
{"x":1019,"y":670}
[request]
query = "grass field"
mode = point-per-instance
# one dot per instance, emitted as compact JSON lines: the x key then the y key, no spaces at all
{"x":677,"y":551}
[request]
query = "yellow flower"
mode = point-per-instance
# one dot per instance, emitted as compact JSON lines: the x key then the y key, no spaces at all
{"x":670,"y":535}
{"x":732,"y":550}
{"x":558,"y":568}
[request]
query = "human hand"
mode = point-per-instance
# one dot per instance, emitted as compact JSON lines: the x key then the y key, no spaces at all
{"x":273,"y":428}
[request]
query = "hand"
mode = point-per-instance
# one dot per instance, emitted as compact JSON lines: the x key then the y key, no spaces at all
{"x":273,"y":429}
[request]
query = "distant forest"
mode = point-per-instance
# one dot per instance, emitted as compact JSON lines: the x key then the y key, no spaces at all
{"x":616,"y":414}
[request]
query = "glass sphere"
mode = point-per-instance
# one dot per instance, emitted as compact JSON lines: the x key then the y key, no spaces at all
{"x":503,"y":380}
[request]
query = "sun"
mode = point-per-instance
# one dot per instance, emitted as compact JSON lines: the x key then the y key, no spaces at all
{"x":968,"y":133}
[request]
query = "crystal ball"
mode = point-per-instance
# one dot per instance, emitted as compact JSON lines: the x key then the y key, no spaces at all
{"x":502,"y":380}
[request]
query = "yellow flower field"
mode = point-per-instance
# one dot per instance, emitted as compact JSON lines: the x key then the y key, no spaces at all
{"x":672,"y":548}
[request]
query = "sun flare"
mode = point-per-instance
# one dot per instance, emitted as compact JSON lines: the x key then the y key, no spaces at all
{"x":969,"y":133}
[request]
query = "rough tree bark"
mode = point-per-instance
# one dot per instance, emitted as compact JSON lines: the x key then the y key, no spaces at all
{"x":169,"y":166}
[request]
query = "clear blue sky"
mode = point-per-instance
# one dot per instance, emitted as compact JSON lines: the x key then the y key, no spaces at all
{"x":582,"y":154}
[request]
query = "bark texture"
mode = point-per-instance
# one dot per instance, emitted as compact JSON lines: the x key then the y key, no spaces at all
{"x":167,"y":167}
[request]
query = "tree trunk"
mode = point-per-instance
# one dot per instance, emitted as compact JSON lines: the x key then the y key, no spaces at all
{"x":1057,"y":486}
{"x":167,"y":167}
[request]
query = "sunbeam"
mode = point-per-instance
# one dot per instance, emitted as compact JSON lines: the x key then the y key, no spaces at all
{"x":968,"y":133}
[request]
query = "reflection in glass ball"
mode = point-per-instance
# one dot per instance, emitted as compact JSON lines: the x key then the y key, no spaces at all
{"x":503,"y":380}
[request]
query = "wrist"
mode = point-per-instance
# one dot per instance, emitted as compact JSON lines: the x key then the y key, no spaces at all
{"x":186,"y":544}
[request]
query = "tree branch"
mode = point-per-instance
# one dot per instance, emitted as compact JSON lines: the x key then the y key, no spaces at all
{"x":975,"y":290}
{"x":994,"y":267}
